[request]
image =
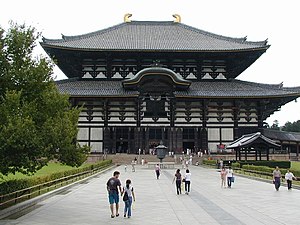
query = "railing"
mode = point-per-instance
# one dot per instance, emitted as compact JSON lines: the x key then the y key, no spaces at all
{"x":34,"y":191}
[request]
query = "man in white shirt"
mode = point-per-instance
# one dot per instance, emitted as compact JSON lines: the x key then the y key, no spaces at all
{"x":289,"y":176}
{"x":187,"y":180}
{"x":229,"y":177}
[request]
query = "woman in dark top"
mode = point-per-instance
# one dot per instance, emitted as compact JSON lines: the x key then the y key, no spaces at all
{"x":178,"y":179}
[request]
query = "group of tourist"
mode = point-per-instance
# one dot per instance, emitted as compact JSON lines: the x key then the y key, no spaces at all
{"x":289,"y":177}
{"x":226,"y":175}
{"x":114,"y":187}
{"x":186,"y":179}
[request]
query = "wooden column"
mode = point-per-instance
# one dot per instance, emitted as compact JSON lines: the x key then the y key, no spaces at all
{"x":204,"y":136}
{"x":235,"y":120}
{"x":297,"y":150}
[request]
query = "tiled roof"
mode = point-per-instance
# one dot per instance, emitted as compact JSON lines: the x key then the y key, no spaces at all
{"x":237,"y":88}
{"x":202,"y":89}
{"x":250,"y":139}
{"x":153,"y":36}
{"x":282,"y":135}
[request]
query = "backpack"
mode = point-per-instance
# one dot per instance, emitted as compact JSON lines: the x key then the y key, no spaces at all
{"x":125,"y":197}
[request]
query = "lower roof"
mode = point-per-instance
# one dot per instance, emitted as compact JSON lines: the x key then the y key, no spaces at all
{"x":198,"y":89}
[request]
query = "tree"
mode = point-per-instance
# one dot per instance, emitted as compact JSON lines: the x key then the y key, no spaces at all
{"x":292,"y":127}
{"x":275,"y":125}
{"x":37,"y":123}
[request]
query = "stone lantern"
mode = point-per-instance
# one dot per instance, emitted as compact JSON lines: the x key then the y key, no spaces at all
{"x":161,"y":151}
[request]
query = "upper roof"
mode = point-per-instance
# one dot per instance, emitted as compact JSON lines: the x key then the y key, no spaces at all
{"x":153,"y":36}
{"x":250,"y":139}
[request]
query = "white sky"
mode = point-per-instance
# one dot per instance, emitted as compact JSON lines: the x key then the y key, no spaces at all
{"x":273,"y":19}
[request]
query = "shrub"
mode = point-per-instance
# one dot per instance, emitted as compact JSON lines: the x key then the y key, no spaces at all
{"x":209,"y":162}
{"x":272,"y":163}
{"x":13,"y":185}
{"x":236,"y":165}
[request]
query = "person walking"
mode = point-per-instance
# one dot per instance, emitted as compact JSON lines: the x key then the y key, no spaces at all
{"x":128,"y":195}
{"x":230,"y":178}
{"x":178,"y":179}
{"x":187,"y":178}
{"x":223,"y":177}
{"x":276,"y":178}
{"x":113,"y":186}
{"x":157,"y":171}
{"x":289,"y":176}
{"x":133,"y":165}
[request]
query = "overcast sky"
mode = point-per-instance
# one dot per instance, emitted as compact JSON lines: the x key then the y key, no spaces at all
{"x":258,"y":20}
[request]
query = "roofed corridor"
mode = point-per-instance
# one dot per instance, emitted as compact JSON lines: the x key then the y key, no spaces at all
{"x":248,"y":202}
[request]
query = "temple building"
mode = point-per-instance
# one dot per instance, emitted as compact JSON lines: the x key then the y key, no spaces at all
{"x":140,"y":82}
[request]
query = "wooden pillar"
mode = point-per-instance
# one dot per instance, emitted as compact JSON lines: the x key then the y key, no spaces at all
{"x":138,"y":112}
{"x":172,"y":112}
{"x":246,"y":154}
{"x":204,"y":136}
{"x":147,"y":140}
{"x":297,"y":151}
{"x":260,"y":155}
{"x":236,"y":120}
{"x":236,"y":154}
{"x":255,"y":155}
{"x":240,"y":155}
{"x":268,"y":154}
{"x":179,"y":142}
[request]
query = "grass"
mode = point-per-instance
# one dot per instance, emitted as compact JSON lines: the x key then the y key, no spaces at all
{"x":295,"y":166}
{"x":50,"y":168}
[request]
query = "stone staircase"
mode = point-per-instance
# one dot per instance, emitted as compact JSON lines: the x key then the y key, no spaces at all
{"x":128,"y":158}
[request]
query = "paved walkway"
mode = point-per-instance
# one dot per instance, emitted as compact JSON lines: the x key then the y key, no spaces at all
{"x":248,"y":202}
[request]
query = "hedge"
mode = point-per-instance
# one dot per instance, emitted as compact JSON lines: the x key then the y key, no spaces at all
{"x":209,"y":162}
{"x":19,"y":184}
{"x":272,"y":163}
{"x":236,"y":165}
{"x":270,"y":170}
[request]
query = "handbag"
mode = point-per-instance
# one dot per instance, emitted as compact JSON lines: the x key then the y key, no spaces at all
{"x":232,"y":179}
{"x":125,"y":197}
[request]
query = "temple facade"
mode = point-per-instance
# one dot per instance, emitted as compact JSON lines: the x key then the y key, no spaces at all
{"x":140,"y":82}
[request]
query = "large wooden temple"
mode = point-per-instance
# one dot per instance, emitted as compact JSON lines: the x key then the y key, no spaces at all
{"x":141,"y":82}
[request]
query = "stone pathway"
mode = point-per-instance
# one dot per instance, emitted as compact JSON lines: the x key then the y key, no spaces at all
{"x":248,"y":202}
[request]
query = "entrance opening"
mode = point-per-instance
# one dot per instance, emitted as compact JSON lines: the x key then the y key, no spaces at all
{"x":189,"y":145}
{"x":122,"y":147}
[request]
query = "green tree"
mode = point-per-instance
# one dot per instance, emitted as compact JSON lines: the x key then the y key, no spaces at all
{"x":37,"y":123}
{"x":292,"y":127}
{"x":275,"y":125}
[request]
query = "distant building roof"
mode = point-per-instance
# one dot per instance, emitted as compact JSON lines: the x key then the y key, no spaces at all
{"x":154,"y":36}
{"x":248,"y":140}
{"x":202,"y":89}
{"x":282,"y":135}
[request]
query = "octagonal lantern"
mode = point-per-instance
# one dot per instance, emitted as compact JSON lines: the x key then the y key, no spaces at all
{"x":161,"y":151}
